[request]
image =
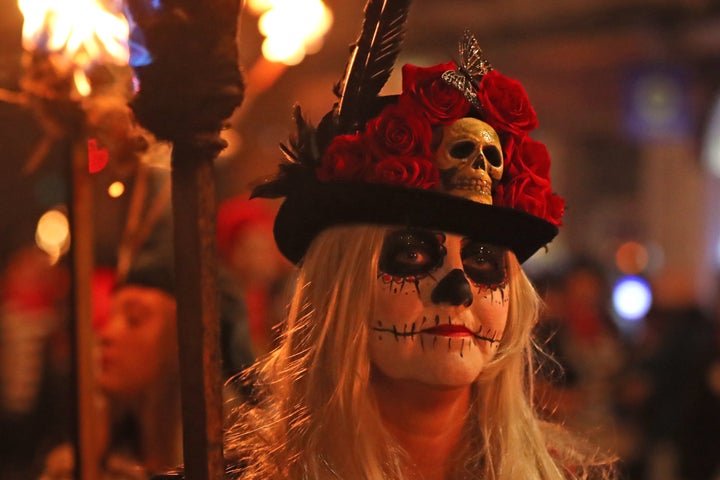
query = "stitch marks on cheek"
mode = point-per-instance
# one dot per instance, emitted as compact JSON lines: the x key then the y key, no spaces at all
{"x":497,"y":294}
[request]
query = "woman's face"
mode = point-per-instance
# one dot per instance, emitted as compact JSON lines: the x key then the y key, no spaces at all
{"x":441,"y":307}
{"x":137,"y":345}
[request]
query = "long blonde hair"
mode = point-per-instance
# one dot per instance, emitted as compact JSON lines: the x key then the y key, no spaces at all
{"x":316,"y":417}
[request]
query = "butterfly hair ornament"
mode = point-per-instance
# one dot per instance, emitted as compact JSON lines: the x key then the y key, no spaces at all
{"x":466,"y":78}
{"x":452,"y":152}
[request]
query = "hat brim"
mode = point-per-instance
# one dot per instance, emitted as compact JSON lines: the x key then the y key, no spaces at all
{"x":317,"y":206}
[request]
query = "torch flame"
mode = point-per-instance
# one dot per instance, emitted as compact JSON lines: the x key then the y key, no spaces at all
{"x":81,"y":31}
{"x":293,"y":28}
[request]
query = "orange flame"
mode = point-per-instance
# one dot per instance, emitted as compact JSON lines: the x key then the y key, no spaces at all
{"x":81,"y":31}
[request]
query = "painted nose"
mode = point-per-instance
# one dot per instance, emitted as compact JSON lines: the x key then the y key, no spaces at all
{"x":454,"y":289}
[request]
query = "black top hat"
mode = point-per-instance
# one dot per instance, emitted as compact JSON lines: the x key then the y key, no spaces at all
{"x":153,"y":265}
{"x":452,"y":152}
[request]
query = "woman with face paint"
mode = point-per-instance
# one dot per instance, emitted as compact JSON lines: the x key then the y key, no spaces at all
{"x":407,"y":350}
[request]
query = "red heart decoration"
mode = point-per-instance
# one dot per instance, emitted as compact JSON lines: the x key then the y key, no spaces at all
{"x":97,"y":157}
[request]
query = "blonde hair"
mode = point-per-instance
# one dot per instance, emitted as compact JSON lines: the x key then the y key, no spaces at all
{"x":316,"y":418}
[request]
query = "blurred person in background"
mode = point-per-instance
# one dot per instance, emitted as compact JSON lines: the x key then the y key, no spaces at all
{"x":554,"y":391}
{"x":675,"y":396}
{"x":586,"y":352}
{"x":137,"y":377}
{"x":34,"y":356}
{"x":248,"y":255}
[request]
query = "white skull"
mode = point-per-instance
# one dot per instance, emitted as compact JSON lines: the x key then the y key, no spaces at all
{"x":470,"y":158}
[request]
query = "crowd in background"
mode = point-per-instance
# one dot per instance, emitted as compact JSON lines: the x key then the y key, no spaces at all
{"x":35,"y":372}
{"x":652,"y":395}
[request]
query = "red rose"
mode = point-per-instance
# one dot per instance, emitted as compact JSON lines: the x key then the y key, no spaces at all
{"x":413,"y":172}
{"x":506,"y":104}
{"x":399,"y":130}
{"x":526,"y":155}
{"x":345,"y":159}
{"x":555,"y":209}
{"x":530,"y":194}
{"x":441,"y":103}
{"x":510,"y":145}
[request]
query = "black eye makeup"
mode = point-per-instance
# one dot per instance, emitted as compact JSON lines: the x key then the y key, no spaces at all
{"x":484,"y":264}
{"x":412,"y":253}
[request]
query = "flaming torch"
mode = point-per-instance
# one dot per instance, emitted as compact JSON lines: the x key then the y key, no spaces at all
{"x":64,"y":43}
{"x":184,"y":55}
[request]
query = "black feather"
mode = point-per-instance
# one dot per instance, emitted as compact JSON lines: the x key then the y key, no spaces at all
{"x":289,"y":177}
{"x":288,"y":153}
{"x":370,"y":65}
{"x":371,"y":61}
{"x":303,"y":143}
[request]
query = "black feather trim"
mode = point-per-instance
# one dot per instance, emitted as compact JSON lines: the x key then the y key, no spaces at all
{"x":303,"y":143}
{"x":371,"y":61}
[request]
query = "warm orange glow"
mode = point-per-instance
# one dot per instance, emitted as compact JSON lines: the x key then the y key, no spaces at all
{"x":82,"y":31}
{"x":631,"y":258}
{"x":82,"y":84}
{"x":116,"y":189}
{"x":293,"y":28}
{"x":257,"y":7}
{"x":53,"y":234}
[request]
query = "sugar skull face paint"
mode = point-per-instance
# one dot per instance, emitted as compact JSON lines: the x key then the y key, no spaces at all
{"x":441,"y":307}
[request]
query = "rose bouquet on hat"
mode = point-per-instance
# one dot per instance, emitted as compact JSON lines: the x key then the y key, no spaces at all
{"x":452,"y":151}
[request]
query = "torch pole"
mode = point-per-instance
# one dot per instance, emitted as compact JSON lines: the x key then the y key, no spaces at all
{"x":193,"y":198}
{"x":82,"y":254}
{"x":187,"y":91}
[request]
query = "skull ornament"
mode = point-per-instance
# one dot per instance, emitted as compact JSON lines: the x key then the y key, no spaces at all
{"x":470,"y":158}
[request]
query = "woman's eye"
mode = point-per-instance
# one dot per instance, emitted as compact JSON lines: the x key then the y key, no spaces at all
{"x":412,"y":256}
{"x":411,"y":252}
{"x":484,"y":264}
{"x":479,"y":263}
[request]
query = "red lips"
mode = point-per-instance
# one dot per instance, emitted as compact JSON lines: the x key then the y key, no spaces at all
{"x":449,"y":331}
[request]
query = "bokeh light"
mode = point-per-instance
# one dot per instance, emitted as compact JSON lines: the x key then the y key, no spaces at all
{"x":52,"y":234}
{"x":259,"y":6}
{"x":631,"y":258}
{"x":116,"y":189}
{"x":632,"y":298}
{"x":711,"y":147}
{"x":293,"y":28}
